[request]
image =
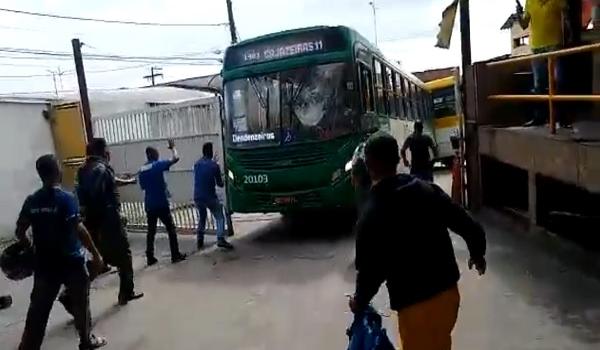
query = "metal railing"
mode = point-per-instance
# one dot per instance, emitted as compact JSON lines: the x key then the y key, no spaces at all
{"x":552,"y":96}
{"x":174,"y":120}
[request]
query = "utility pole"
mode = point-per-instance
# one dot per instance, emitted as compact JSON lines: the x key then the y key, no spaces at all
{"x":83,"y":92}
{"x":60,"y":74}
{"x":154,"y":72}
{"x":54,"y":80}
{"x":465,"y":34}
{"x":372,"y":3}
{"x":232,"y":29}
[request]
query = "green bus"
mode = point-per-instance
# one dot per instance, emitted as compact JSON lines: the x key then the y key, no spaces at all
{"x":298,"y":105}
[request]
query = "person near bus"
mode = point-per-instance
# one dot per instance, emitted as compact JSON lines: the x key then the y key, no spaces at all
{"x":207,"y":175}
{"x":97,"y":191}
{"x":156,"y":201}
{"x":547,"y":21}
{"x":412,"y":252}
{"x":419,"y":144}
{"x":58,"y":236}
{"x":360,"y":181}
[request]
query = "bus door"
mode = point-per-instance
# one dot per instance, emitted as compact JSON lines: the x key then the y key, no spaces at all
{"x":68,"y":132}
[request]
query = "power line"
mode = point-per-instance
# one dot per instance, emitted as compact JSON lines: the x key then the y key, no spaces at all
{"x":160,"y":24}
{"x":148,"y":62}
{"x":71,"y":72}
{"x":21,"y":51}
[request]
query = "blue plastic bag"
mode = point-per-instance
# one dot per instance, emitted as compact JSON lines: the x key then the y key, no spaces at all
{"x":367,"y":333}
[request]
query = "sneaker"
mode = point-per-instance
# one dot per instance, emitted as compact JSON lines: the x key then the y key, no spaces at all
{"x":151,"y":261}
{"x":95,"y":342}
{"x":178,"y":258}
{"x":224,"y":244}
{"x":123,"y":300}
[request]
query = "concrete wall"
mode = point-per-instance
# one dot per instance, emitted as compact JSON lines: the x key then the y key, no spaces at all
{"x":24,"y":136}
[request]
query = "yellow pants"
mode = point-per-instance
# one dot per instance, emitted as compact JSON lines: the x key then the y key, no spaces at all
{"x":428,"y":325}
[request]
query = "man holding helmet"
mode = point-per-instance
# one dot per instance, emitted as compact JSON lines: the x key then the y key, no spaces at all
{"x":58,"y":259}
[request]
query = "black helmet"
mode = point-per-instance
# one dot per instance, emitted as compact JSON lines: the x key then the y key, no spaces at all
{"x":16,"y":261}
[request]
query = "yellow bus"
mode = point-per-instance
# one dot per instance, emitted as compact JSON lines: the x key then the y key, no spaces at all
{"x":445,"y":121}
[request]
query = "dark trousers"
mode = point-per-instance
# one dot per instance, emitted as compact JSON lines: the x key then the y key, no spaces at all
{"x":110,"y":236}
{"x":164,"y":214}
{"x":45,"y":289}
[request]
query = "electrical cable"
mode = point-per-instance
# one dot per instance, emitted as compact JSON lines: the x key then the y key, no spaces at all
{"x":160,"y":24}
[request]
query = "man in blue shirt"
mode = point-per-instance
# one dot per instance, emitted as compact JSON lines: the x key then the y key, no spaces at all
{"x":207,"y":175}
{"x":58,"y":236}
{"x":156,"y":201}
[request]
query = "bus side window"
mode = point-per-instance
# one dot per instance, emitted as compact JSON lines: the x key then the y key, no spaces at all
{"x":391,"y":94}
{"x":419,"y":103}
{"x":409,"y":99}
{"x":366,"y":88}
{"x":379,"y":97}
{"x":402,"y":92}
{"x":415,"y":99}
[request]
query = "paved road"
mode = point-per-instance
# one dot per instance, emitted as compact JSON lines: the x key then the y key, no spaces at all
{"x":283,"y":288}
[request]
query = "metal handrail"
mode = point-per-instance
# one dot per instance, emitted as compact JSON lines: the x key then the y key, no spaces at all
{"x":551,"y":96}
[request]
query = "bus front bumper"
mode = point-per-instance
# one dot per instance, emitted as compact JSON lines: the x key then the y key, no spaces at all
{"x":337,"y":195}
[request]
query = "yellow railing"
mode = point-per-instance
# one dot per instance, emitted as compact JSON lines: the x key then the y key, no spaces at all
{"x":551,"y":96}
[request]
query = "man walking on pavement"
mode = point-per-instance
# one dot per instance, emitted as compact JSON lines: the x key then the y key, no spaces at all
{"x":412,"y":253}
{"x":419,"y":145}
{"x":207,"y":175}
{"x":99,"y":198}
{"x":58,"y":235}
{"x":156,"y":201}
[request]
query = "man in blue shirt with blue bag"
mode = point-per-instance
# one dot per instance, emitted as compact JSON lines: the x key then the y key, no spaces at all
{"x":156,"y":201}
{"x":207,"y":175}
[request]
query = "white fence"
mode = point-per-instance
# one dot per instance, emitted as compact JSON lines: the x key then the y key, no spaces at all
{"x":190,"y":124}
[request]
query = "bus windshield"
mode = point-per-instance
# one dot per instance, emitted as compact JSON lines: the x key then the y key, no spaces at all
{"x":444,"y":104}
{"x":308,"y":103}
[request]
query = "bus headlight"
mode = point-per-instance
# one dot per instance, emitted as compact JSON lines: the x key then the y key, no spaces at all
{"x":230,"y":174}
{"x":348,"y":166}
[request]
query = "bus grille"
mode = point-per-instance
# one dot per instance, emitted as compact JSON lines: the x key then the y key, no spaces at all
{"x":281,"y":157}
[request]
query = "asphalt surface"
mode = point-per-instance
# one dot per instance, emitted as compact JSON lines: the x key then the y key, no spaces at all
{"x":283,"y":288}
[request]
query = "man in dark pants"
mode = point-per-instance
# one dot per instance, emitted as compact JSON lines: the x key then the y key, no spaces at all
{"x":58,"y":236}
{"x":402,"y":239}
{"x":99,"y":199}
{"x":207,"y":175}
{"x":419,"y":145}
{"x":156,"y":201}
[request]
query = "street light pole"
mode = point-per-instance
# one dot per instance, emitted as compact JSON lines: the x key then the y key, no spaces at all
{"x":372,"y":3}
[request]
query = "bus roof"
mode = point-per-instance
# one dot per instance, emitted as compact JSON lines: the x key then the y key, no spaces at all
{"x":239,"y":58}
{"x":440,"y":83}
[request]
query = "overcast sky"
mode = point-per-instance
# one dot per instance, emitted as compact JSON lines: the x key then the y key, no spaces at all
{"x":406,"y":28}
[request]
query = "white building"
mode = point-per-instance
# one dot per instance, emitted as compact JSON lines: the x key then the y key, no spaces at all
{"x":25,"y":136}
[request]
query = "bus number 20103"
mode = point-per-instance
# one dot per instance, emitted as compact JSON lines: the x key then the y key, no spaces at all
{"x":256,"y":179}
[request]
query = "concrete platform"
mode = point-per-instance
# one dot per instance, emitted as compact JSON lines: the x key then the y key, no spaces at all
{"x":534,"y":149}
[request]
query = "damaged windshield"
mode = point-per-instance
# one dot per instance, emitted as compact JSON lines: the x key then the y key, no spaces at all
{"x":309,"y":103}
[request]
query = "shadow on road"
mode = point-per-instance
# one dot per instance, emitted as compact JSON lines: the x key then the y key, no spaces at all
{"x":288,"y":250}
{"x":305,"y":228}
